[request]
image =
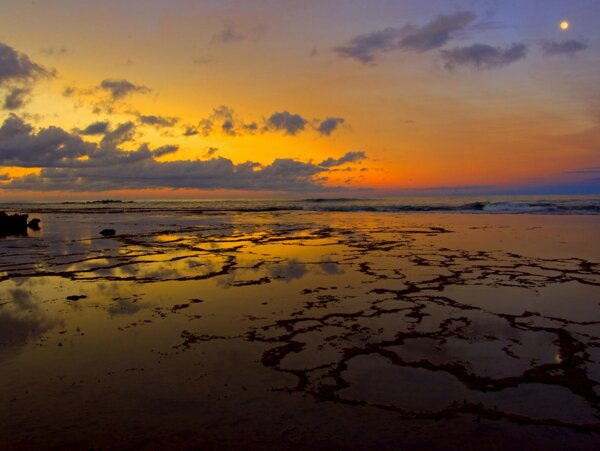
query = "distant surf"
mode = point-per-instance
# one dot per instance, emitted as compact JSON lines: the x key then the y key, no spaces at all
{"x":551,"y":205}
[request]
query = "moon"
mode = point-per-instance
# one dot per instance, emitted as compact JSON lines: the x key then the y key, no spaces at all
{"x":564,"y":25}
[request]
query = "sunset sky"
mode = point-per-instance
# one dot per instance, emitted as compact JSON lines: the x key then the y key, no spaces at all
{"x":298,"y":97}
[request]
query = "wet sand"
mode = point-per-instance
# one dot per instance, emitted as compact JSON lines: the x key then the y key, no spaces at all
{"x":305,"y":330}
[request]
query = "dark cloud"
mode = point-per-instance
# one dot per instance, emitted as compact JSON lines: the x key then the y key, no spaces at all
{"x":68,"y":163}
{"x":123,"y":133}
{"x":164,"y":150}
{"x":17,"y":75}
{"x":118,"y":88}
{"x":290,"y":123}
{"x":16,"y":98}
{"x":569,"y":47}
{"x":15,"y":66}
{"x":69,"y":91}
{"x":591,"y":170}
{"x":190,"y":130}
{"x":365,"y":47}
{"x":52,"y":146}
{"x":350,"y":157}
{"x":55,"y":50}
{"x":97,"y":128}
{"x":483,"y":56}
{"x":433,"y":35}
{"x":157,"y":121}
{"x":217,"y":173}
{"x":329,"y":125}
{"x":228,"y":34}
{"x":436,"y":33}
{"x":225,"y":120}
{"x":211,"y":152}
{"x":205,"y":127}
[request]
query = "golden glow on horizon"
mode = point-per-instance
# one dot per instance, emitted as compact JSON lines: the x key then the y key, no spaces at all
{"x":419,"y":124}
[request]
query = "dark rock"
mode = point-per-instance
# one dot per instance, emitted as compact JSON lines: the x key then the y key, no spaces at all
{"x":13,"y":224}
{"x":76,"y":297}
{"x":34,"y":224}
{"x":108,"y":232}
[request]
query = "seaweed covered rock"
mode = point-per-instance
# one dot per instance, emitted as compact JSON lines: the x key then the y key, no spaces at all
{"x":107,"y":232}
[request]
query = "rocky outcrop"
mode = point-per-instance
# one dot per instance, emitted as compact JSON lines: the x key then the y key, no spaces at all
{"x":16,"y":224}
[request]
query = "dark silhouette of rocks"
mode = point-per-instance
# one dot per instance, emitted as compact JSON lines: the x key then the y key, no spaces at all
{"x":16,"y":224}
{"x":76,"y":297}
{"x":34,"y":224}
{"x":108,"y":232}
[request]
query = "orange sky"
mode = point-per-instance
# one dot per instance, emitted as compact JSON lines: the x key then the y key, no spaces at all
{"x":449,"y":96}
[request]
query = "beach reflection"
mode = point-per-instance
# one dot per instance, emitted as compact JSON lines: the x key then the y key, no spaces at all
{"x":422,"y":317}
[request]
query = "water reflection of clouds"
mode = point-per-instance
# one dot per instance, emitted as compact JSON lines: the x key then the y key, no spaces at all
{"x":124,"y":306}
{"x":288,"y":270}
{"x":330,"y":267}
{"x":22,"y":319}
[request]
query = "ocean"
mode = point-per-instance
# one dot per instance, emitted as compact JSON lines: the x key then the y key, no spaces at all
{"x":555,"y":205}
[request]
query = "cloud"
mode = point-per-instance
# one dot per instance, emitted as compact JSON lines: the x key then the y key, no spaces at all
{"x":590,"y":170}
{"x":211,"y":151}
{"x":17,"y":76}
{"x":365,"y":47}
{"x":164,"y":150}
{"x":433,"y":35}
{"x":290,"y":123}
{"x":52,"y":146}
{"x":16,"y":98}
{"x":436,"y":33}
{"x":96,"y":128}
{"x":15,"y":66}
{"x":205,"y":127}
{"x":190,"y":130}
{"x":224,"y":119}
{"x":217,"y":173}
{"x":569,"y":47}
{"x":55,"y":50}
{"x":118,"y":88}
{"x":123,"y":133}
{"x":158,"y":121}
{"x":350,"y":157}
{"x":69,"y":163}
{"x":329,"y":125}
{"x":228,"y":34}
{"x":483,"y":56}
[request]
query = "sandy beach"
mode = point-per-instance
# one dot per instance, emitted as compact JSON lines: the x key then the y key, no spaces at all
{"x":303,"y":330}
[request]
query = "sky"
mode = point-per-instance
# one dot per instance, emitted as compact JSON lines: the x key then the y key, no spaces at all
{"x":291,"y":98}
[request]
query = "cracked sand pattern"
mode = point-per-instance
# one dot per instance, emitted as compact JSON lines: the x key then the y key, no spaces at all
{"x":393,"y":316}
